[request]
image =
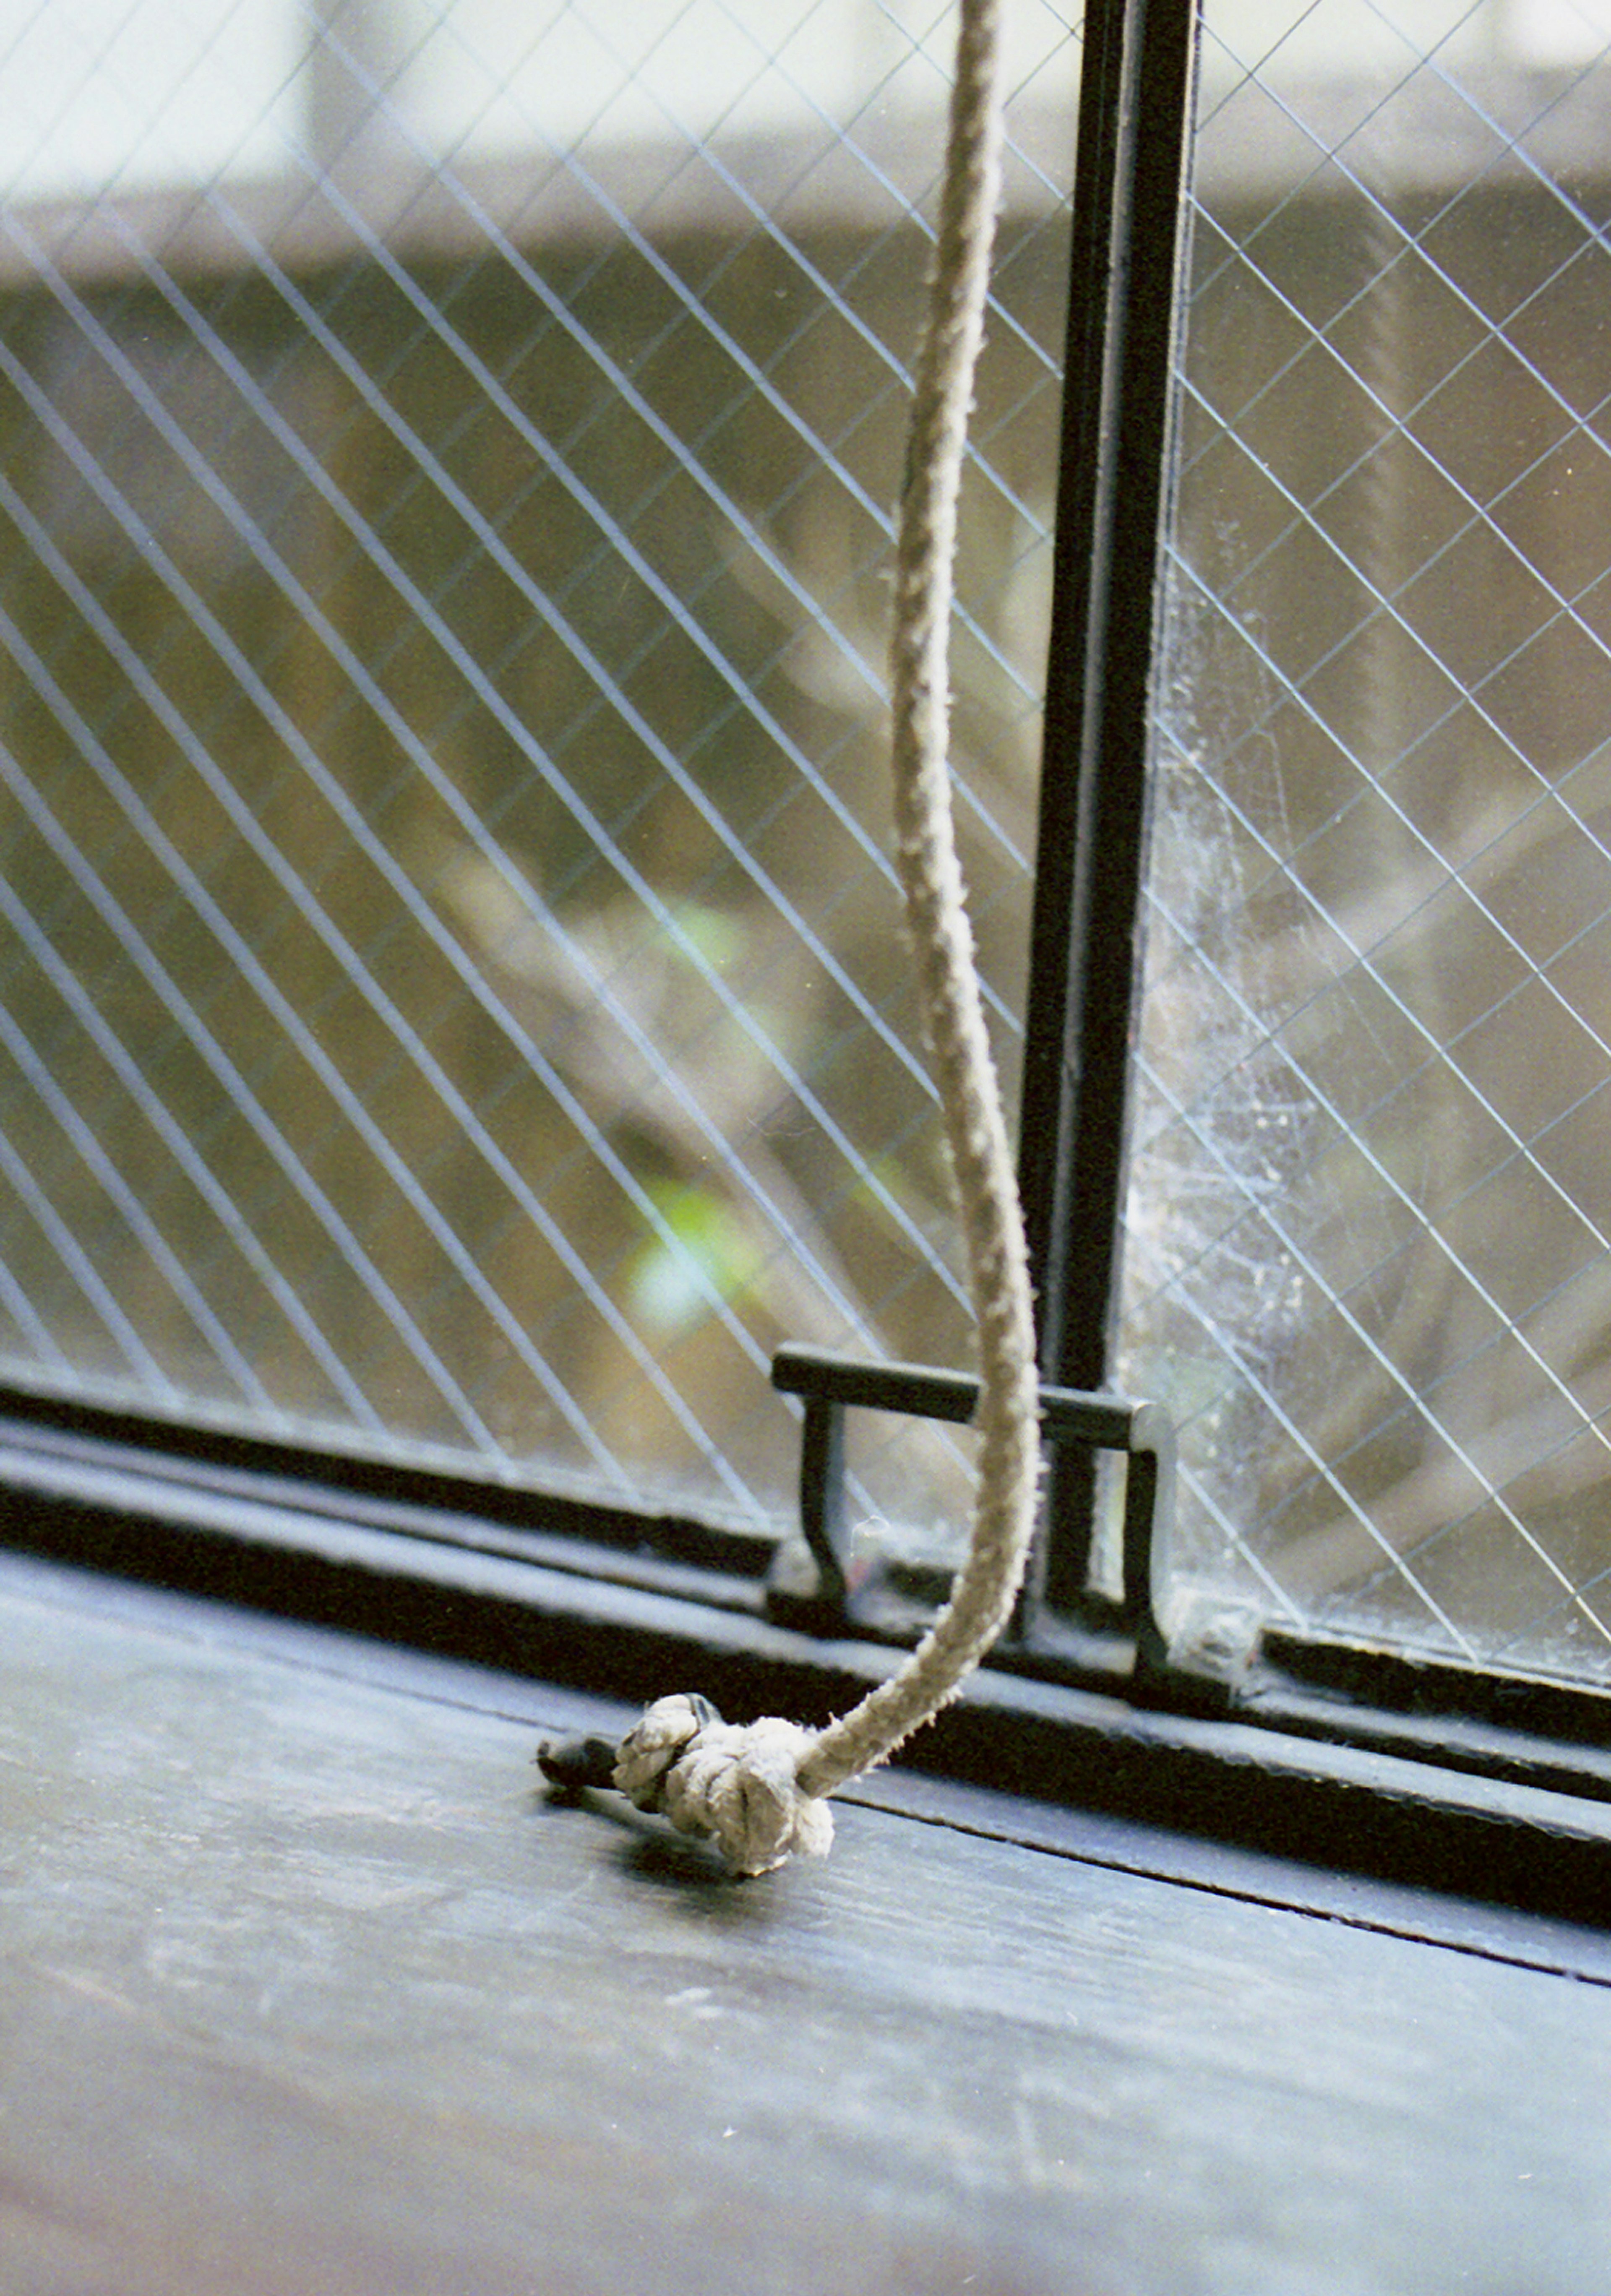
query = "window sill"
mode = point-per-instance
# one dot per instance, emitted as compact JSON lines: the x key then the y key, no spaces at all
{"x":308,"y":1987}
{"x":594,"y":1618}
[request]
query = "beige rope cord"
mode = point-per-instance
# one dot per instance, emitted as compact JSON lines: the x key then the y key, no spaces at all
{"x":761,"y":1788}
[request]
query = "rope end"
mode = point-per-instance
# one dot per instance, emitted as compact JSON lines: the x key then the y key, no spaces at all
{"x":737,"y":1783}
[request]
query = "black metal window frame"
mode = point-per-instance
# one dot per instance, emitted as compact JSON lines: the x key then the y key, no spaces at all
{"x":1487,"y":1785}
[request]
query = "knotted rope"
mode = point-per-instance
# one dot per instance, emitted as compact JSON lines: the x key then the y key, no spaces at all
{"x":760,"y":1789}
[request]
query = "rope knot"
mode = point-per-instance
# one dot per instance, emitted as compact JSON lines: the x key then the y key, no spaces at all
{"x":738,"y":1781}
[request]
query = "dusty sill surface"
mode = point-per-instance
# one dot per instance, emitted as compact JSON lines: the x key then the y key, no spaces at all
{"x":306,"y":1988}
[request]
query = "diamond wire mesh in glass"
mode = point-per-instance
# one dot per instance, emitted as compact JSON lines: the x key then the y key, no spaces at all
{"x":451,"y":995}
{"x":1368,"y":1255}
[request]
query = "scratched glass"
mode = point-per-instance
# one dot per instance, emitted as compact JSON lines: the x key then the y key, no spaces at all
{"x":1368,"y":1245}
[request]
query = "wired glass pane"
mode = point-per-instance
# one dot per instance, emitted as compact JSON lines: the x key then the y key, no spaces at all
{"x":452,"y":998}
{"x":1369,"y":1254}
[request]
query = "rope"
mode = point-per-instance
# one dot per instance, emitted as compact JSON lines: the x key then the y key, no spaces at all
{"x":760,"y":1789}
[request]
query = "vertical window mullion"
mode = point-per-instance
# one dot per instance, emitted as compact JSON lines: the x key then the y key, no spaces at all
{"x":1135,"y":110}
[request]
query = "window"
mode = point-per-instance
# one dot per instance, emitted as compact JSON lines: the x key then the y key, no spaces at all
{"x":454,"y":1028}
